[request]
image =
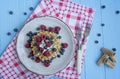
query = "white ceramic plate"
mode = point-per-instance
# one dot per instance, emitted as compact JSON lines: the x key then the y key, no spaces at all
{"x":57,"y":64}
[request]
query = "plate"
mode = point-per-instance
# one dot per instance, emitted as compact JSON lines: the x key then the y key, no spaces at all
{"x":57,"y":64}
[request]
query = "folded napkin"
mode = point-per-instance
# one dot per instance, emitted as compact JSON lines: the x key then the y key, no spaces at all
{"x":72,"y":14}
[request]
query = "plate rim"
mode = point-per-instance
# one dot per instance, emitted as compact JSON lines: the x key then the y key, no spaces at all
{"x":72,"y":40}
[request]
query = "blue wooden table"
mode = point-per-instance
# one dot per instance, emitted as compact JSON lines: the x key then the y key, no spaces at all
{"x":104,"y":33}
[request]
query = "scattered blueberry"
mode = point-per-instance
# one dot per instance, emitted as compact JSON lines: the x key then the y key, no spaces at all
{"x":8,"y":33}
{"x":103,"y":6}
{"x":96,"y":41}
{"x":25,"y":13}
{"x":31,"y":8}
{"x":10,"y":12}
{"x":98,"y":34}
{"x":15,"y":29}
{"x":117,"y":12}
{"x":114,"y":49}
{"x":102,"y":24}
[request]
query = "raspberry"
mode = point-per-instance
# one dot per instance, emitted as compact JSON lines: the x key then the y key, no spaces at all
{"x":37,"y":59}
{"x":48,"y":44}
{"x":46,"y":53}
{"x":38,"y":39}
{"x":50,"y":29}
{"x":28,"y":45}
{"x":31,"y":54}
{"x":41,"y":49}
{"x":57,"y":28}
{"x":47,"y":64}
{"x":42,"y":27}
{"x":43,"y":37}
{"x":64,"y":45}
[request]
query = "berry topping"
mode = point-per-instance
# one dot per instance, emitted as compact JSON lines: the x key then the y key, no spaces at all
{"x":28,"y":45}
{"x":38,"y":39}
{"x":47,"y":63}
{"x":57,"y":28}
{"x":48,"y":44}
{"x":31,"y":54}
{"x":38,"y":43}
{"x":58,"y":56}
{"x":42,"y":27}
{"x":64,"y":45}
{"x":46,"y":53}
{"x":59,"y":37}
{"x":54,"y":49}
{"x":50,"y":29}
{"x":43,"y":37}
{"x":41,"y":49}
{"x":37,"y":59}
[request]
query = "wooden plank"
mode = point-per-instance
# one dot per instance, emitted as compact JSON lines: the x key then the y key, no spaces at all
{"x":111,"y":34}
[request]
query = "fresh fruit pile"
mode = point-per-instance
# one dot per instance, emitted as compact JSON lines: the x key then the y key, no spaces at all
{"x":45,"y":44}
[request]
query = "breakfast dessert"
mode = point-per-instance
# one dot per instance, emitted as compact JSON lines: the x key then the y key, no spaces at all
{"x":45,"y":44}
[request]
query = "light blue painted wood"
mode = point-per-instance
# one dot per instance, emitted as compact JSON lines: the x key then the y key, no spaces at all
{"x":109,"y":33}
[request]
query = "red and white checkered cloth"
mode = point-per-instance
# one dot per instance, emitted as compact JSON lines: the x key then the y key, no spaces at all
{"x":72,"y":14}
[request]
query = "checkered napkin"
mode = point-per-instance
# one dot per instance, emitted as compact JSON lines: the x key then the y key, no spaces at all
{"x":72,"y":14}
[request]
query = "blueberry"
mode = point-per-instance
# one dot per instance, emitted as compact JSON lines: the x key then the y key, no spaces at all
{"x":103,"y":6}
{"x":58,"y":56}
{"x":114,"y":49}
{"x":28,"y":56}
{"x":32,"y":58}
{"x":51,"y":38}
{"x":52,"y":42}
{"x":117,"y":12}
{"x":102,"y":24}
{"x":34,"y":44}
{"x":54,"y":49}
{"x":50,"y":61}
{"x":47,"y":37}
{"x":98,"y":34}
{"x":35,"y":33}
{"x":31,"y":8}
{"x":10,"y":12}
{"x":45,"y":47}
{"x":59,"y":37}
{"x":8,"y":33}
{"x":62,"y":50}
{"x":38,"y":28}
{"x":25,"y":13}
{"x":15,"y":29}
{"x":56,"y":32}
{"x":96,"y":41}
{"x":29,"y":41}
{"x":37,"y":51}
